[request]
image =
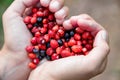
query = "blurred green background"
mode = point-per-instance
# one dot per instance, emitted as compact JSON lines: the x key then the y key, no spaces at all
{"x":105,"y":12}
{"x":3,"y":5}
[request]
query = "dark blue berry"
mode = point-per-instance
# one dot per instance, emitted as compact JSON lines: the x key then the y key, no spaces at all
{"x":60,"y":42}
{"x":42,"y":53}
{"x":72,"y":33}
{"x":48,"y":45}
{"x":48,"y":57}
{"x":67,"y":35}
{"x":40,"y":57}
{"x":39,"y":19}
{"x":36,"y":51}
{"x":36,"y":24}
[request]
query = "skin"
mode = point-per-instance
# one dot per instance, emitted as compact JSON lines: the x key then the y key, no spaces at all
{"x":13,"y":56}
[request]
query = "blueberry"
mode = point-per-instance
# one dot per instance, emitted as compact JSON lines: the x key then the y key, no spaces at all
{"x":48,"y":57}
{"x":40,"y":57}
{"x":36,"y":51}
{"x":42,"y":53}
{"x":67,"y":39}
{"x":36,"y":25}
{"x":60,"y":42}
{"x":72,"y":33}
{"x":48,"y":45}
{"x":67,"y":35}
{"x":39,"y":19}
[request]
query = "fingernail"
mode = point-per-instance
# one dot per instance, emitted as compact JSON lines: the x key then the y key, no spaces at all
{"x":105,"y":35}
{"x":55,"y":4}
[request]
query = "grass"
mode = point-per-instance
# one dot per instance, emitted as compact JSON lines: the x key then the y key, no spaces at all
{"x":3,"y":6}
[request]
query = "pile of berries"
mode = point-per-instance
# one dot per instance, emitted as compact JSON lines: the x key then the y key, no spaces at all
{"x":52,"y":41}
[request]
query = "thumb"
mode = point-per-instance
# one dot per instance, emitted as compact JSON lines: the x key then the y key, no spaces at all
{"x":101,"y":48}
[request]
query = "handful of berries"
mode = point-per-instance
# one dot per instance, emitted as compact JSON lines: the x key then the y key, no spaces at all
{"x":52,"y":41}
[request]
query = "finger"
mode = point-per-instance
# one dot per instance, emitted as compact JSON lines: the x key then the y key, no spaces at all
{"x":18,"y":6}
{"x":62,"y":13}
{"x":56,"y":5}
{"x":85,"y":22}
{"x":67,"y":25}
{"x":101,"y":48}
{"x":45,"y":3}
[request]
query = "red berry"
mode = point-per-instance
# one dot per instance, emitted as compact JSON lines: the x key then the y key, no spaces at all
{"x":51,"y":25}
{"x":72,"y":42}
{"x":85,"y":35}
{"x":29,"y":49}
{"x":88,"y":46}
{"x":32,"y":65}
{"x":46,"y":12}
{"x":47,"y":38}
{"x":49,"y":51}
{"x":37,"y":34}
{"x":76,"y":48}
{"x":33,"y":20}
{"x":36,"y":61}
{"x":77,"y":37}
{"x":65,"y":53}
{"x":34,"y":30}
{"x":55,"y":56}
{"x":55,"y":28}
{"x":84,"y":50}
{"x":27,"y":19}
{"x":43,"y":30}
{"x":29,"y":26}
{"x":79,"y":43}
{"x":79,"y":30}
{"x":31,"y":55}
{"x":51,"y":34}
{"x":58,"y":50}
{"x":40,"y":14}
{"x":34,"y":40}
{"x":34,"y":10}
{"x":54,"y":44}
{"x":45,"y":21}
{"x":61,"y":32}
{"x":51,"y":17}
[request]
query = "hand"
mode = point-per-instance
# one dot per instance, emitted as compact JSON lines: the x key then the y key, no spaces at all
{"x":78,"y":67}
{"x":13,"y":57}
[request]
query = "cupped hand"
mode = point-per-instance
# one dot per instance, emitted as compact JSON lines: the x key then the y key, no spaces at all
{"x":78,"y":67}
{"x":13,"y":55}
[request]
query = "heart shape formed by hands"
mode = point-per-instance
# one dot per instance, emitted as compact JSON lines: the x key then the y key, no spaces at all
{"x":51,"y":40}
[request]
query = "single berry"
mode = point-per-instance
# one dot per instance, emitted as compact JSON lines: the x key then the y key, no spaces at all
{"x":76,"y":48}
{"x":32,"y":65}
{"x":29,"y":49}
{"x":60,"y":42}
{"x":42,"y":53}
{"x":36,"y":51}
{"x":36,"y":61}
{"x":48,"y":57}
{"x":55,"y":56}
{"x":77,"y":37}
{"x":32,"y":55}
{"x":39,"y":19}
{"x":72,"y":42}
{"x":54,"y":44}
{"x":72,"y":33}
{"x":49,"y":51}
{"x":65,"y":53}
